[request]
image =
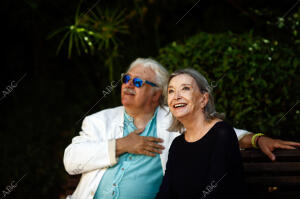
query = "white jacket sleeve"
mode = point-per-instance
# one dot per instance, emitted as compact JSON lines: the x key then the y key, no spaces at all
{"x":87,"y":152}
{"x":240,"y":133}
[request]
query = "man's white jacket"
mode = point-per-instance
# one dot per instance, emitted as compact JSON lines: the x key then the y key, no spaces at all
{"x":93,"y":151}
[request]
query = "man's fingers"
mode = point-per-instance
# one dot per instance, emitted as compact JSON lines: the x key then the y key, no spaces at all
{"x":283,"y":146}
{"x":154,"y":139}
{"x":154,"y":145}
{"x":290,"y":143}
{"x":152,"y":149}
{"x":148,"y":153}
{"x":269,"y":153}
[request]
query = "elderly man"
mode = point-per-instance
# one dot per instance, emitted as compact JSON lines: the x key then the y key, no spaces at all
{"x":122,"y":152}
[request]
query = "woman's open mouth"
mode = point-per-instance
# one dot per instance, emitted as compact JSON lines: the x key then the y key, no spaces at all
{"x":179,"y":105}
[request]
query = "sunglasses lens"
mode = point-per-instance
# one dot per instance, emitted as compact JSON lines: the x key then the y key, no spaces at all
{"x":137,"y":82}
{"x":126,"y":79}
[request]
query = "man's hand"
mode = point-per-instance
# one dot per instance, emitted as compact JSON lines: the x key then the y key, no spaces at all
{"x":268,"y":145}
{"x":136,"y":144}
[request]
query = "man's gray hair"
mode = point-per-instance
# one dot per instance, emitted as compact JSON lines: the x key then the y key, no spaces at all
{"x":209,"y":110}
{"x":161,"y":74}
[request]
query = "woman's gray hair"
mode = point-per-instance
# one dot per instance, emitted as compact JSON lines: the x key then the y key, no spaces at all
{"x":209,"y":110}
{"x":161,"y":74}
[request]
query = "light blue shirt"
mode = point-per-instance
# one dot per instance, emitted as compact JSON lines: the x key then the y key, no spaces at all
{"x":135,"y":176}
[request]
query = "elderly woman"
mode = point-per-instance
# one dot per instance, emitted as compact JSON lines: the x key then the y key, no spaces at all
{"x":204,"y":161}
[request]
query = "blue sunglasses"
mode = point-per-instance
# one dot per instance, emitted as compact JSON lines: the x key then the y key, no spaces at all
{"x":137,"y":82}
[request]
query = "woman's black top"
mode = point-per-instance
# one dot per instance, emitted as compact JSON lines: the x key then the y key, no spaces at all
{"x":207,"y":168}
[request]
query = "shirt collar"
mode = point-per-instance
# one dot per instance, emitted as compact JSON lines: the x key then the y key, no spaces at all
{"x":130,"y":119}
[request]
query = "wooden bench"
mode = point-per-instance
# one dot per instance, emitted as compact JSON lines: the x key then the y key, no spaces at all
{"x":272,"y":180}
{"x":265,"y":179}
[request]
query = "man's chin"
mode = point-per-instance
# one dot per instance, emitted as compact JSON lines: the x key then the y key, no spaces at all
{"x":126,"y":102}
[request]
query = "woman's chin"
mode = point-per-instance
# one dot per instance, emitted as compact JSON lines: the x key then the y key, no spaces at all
{"x":179,"y":114}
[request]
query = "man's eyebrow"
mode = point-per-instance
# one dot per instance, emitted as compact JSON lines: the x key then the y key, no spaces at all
{"x":134,"y":75}
{"x":170,"y":86}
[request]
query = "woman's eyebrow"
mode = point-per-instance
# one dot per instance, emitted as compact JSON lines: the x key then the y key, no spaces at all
{"x":186,"y":84}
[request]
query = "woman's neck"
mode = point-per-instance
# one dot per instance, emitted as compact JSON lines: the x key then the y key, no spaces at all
{"x":197,"y":127}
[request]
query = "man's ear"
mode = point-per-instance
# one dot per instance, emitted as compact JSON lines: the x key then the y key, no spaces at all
{"x":157,"y":95}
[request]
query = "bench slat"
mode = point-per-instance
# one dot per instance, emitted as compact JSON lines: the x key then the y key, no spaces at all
{"x":251,"y":155}
{"x":272,"y":167}
{"x":274,"y":180}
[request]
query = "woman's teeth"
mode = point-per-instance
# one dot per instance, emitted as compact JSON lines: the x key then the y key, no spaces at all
{"x":179,"y":105}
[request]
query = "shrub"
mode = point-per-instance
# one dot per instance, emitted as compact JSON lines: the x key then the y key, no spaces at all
{"x":255,"y":80}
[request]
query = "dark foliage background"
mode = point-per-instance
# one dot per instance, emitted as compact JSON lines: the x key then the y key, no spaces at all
{"x":249,"y":50}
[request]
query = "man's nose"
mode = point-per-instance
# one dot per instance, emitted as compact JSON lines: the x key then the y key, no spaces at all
{"x":130,"y":83}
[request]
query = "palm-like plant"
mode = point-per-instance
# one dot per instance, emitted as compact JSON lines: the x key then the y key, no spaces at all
{"x":106,"y":25}
{"x":92,"y":29}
